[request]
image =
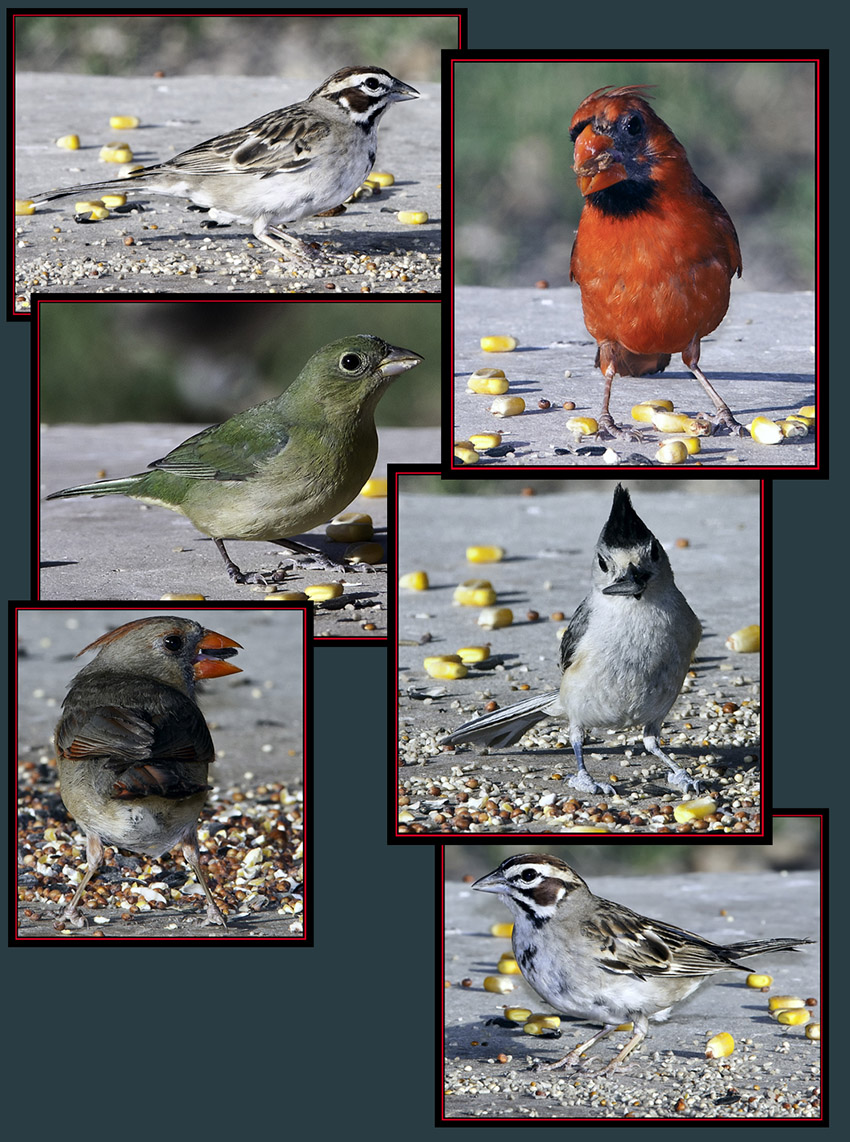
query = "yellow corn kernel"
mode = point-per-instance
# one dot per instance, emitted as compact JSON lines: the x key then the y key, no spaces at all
{"x":533,"y":1027}
{"x":673,"y":452}
{"x":473,"y":654}
{"x":690,"y":442}
{"x":498,"y":983}
{"x":481,"y":441}
{"x":175,"y":598}
{"x":509,"y":966}
{"x":412,"y":217}
{"x":813,"y":1031}
{"x":69,"y":142}
{"x":349,"y":527}
{"x":446,"y":666}
{"x":382,"y":178}
{"x":625,"y":1027}
{"x":364,"y":553}
{"x":582,"y":425}
{"x":586,"y":829}
{"x":671,"y":421}
{"x":319,"y":592}
{"x":376,"y":486}
{"x":467,"y":455}
{"x":415,"y":581}
{"x":474,"y":593}
{"x":746,"y":640}
{"x":793,"y":428}
{"x":24,"y":206}
{"x":116,"y":153}
{"x":808,"y":410}
{"x":798,"y":1017}
{"x":784,"y":1002}
{"x":808,"y":421}
{"x":130,"y":169}
{"x":765,"y":431}
{"x":755,"y":980}
{"x":694,"y":810}
{"x":517,"y":1014}
{"x":548,"y":1022}
{"x":499,"y":344}
{"x":646,"y":408}
{"x":286,"y":597}
{"x":489,"y":386}
{"x":491,"y":618}
{"x":95,"y":210}
{"x":503,"y":930}
{"x":484,"y":554}
{"x":123,"y":122}
{"x":719,"y":1046}
{"x":507,"y":406}
{"x":113,"y":200}
{"x":86,"y":204}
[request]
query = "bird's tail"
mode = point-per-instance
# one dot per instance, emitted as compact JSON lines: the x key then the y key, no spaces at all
{"x":87,"y":188}
{"x":122,"y":487}
{"x":756,"y":947}
{"x":504,"y":727}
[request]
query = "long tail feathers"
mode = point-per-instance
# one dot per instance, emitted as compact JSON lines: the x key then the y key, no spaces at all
{"x":504,"y":727}
{"x":122,"y":487}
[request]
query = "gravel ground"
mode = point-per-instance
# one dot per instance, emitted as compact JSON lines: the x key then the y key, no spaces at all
{"x":163,"y":248}
{"x":712,"y":730}
{"x":774,"y":1072}
{"x":761,"y":361}
{"x":258,"y":776}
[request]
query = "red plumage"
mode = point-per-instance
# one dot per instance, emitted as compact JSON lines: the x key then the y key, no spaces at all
{"x":655,"y":250}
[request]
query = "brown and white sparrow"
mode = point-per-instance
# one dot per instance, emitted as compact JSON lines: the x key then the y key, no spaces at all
{"x":624,"y":655}
{"x":288,"y":164}
{"x":593,"y":959}
{"x":133,"y":748}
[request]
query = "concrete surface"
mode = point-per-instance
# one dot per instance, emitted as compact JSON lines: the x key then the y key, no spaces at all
{"x":761,"y":361}
{"x":170,"y":252}
{"x":549,"y":541}
{"x":773,"y":1073}
{"x":116,"y":548}
{"x":256,"y":721}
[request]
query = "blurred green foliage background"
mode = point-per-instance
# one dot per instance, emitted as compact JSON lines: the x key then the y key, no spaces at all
{"x":748,"y":128}
{"x":796,"y":845}
{"x":312,"y":46}
{"x":204,"y":361}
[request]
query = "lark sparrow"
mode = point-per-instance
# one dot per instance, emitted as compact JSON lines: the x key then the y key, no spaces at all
{"x":286,"y":165}
{"x":597,"y":960}
{"x":624,"y":655}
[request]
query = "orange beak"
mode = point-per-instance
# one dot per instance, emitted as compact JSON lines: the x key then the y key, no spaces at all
{"x":212,"y":650}
{"x":594,"y":164}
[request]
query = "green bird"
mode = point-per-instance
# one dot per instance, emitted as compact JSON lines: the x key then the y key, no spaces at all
{"x":283,"y":467}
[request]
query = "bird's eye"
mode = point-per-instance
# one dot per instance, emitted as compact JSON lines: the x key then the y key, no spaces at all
{"x":653,"y":551}
{"x":603,"y":566}
{"x":350,"y":362}
{"x":528,"y":874}
{"x":372,"y":83}
{"x":634,"y":125}
{"x":173,"y":642}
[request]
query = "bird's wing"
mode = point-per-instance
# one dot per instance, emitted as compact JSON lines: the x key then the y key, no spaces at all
{"x":633,"y":943}
{"x":235,"y":450}
{"x":574,"y":633}
{"x":112,"y":731}
{"x":281,"y":141}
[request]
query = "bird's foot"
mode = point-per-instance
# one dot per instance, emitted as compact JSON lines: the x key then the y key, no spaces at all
{"x":723,"y":417}
{"x":295,"y":250}
{"x":69,"y":918}
{"x":607,"y":428}
{"x":318,"y":561}
{"x":683,"y":780}
{"x":572,"y":1060}
{"x":213,"y":916}
{"x":258,"y":578}
{"x":585,"y":784}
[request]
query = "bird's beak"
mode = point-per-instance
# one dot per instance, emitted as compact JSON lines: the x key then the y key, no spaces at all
{"x":492,"y":882}
{"x":212,"y":650}
{"x":631,"y":582}
{"x":398,"y":361}
{"x":403,"y":91}
{"x":594,"y":164}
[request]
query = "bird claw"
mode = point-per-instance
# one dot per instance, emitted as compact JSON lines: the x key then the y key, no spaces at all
{"x":683,"y":780}
{"x":725,"y":418}
{"x":607,"y":428}
{"x":585,"y":784}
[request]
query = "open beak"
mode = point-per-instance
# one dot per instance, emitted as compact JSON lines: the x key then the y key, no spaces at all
{"x":399,"y":361}
{"x":213,"y":649}
{"x":594,"y":164}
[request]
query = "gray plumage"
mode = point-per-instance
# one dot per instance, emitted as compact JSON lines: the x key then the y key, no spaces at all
{"x":624,"y":655}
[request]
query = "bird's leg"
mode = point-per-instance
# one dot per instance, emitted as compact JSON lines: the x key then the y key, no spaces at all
{"x":573,"y":1059}
{"x":94,"y":858}
{"x":582,"y":779}
{"x":641,"y":1027}
{"x":607,"y":360}
{"x":690,"y":356}
{"x":192,"y":856}
{"x":295,"y":250}
{"x":678,"y":776}
{"x":263,"y":578}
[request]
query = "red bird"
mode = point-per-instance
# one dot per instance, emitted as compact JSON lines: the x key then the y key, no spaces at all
{"x":655,"y":251}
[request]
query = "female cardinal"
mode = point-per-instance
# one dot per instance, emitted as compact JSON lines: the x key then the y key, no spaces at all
{"x":655,"y":251}
{"x":133,"y":748}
